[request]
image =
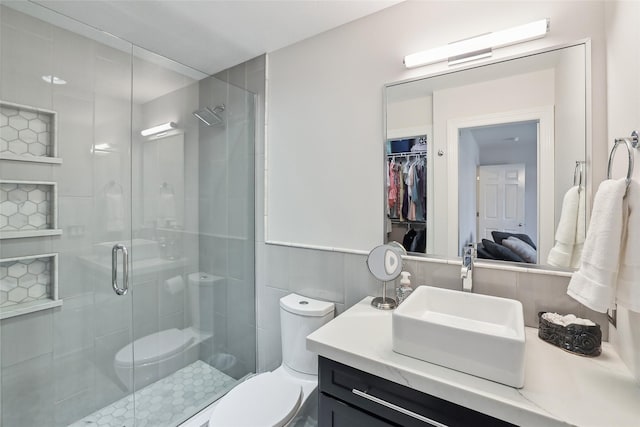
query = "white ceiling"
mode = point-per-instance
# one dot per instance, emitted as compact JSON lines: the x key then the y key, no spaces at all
{"x":506,"y":135}
{"x":212,"y":35}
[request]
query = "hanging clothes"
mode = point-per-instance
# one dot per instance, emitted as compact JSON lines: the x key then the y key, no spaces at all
{"x":393,"y":190}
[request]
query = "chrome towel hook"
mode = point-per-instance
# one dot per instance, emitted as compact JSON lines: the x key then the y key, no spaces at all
{"x":577,"y":174}
{"x":630,"y":143}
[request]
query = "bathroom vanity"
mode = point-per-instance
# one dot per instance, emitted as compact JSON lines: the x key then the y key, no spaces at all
{"x":364,"y":382}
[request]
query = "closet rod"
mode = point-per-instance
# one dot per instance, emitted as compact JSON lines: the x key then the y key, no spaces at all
{"x":415,"y":153}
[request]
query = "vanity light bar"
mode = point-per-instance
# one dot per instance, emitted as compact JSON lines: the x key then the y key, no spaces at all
{"x":480,"y":46}
{"x":160,"y":128}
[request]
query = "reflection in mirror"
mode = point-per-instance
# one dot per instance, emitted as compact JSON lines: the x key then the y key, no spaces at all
{"x":163,"y":181}
{"x":501,"y":145}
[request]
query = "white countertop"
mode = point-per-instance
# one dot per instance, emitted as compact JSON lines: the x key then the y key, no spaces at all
{"x":560,"y":388}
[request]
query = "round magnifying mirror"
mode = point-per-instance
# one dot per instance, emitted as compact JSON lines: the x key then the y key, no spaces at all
{"x":385,"y":263}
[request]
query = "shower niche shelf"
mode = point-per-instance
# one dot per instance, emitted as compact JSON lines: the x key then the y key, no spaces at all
{"x":28,"y":209}
{"x":28,"y":134}
{"x":28,"y":284}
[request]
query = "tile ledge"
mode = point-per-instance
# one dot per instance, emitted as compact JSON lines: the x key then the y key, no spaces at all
{"x":30,"y":307}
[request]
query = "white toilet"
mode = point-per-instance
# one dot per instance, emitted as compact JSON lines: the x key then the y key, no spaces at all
{"x":273,"y":398}
{"x":160,"y":354}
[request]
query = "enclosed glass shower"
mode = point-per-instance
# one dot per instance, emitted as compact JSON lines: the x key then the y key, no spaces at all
{"x":127,"y":292}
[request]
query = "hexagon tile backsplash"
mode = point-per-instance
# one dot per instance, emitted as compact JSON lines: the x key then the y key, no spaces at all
{"x":26,"y":131}
{"x":26,"y":206}
{"x":25,"y":280}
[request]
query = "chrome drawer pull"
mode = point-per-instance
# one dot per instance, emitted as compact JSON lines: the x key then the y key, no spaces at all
{"x":397,"y":408}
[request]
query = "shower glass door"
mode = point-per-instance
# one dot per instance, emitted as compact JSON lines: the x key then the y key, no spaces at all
{"x":192,"y":258}
{"x":179,"y":201}
{"x":65,"y":166}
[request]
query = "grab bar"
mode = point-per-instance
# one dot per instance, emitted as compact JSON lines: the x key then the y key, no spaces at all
{"x":125,"y":269}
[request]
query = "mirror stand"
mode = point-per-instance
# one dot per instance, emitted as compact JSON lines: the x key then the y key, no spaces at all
{"x":383,"y":302}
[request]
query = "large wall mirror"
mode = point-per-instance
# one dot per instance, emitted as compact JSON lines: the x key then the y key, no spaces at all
{"x":477,"y":153}
{"x":163,"y":181}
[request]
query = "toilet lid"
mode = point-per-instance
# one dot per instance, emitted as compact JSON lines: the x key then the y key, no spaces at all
{"x":264,"y":400}
{"x":154,"y":347}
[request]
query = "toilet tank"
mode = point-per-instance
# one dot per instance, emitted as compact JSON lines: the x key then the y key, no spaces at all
{"x":299,"y":316}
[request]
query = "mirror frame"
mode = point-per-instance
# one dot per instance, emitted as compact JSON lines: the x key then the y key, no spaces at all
{"x":586,"y":42}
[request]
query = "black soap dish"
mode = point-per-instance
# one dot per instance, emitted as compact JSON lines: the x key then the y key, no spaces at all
{"x":579,"y":339}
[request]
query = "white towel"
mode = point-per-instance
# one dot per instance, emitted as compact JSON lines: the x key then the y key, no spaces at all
{"x":562,"y":252}
{"x":628,"y":289}
{"x":166,"y":208}
{"x":593,"y":285}
{"x":581,"y":231}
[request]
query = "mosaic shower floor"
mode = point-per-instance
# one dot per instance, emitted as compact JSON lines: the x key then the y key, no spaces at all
{"x":166,"y":402}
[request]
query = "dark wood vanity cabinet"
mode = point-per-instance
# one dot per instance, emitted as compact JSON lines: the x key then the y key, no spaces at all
{"x":353,"y":398}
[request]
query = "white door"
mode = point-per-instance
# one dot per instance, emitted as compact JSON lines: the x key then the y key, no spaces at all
{"x":501,"y":199}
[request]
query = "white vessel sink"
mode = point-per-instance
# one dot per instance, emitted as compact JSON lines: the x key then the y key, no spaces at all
{"x":477,"y":334}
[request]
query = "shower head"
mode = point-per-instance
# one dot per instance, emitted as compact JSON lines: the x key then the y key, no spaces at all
{"x":210,"y":116}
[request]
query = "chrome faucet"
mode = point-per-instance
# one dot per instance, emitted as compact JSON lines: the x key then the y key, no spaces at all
{"x":466,"y":272}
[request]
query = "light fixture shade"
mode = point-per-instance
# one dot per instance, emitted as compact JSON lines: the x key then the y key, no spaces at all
{"x":160,"y":128}
{"x":483,"y":43}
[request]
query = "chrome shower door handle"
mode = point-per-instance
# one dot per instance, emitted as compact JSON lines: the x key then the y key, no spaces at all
{"x":125,"y":269}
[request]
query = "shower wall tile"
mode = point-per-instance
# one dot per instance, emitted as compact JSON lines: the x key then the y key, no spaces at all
{"x":241,"y":259}
{"x":39,"y":330}
{"x":74,"y":277}
{"x":74,"y":328}
{"x":36,"y":43}
{"x":214,"y":255}
{"x":27,"y":390}
{"x":74,"y":408}
{"x":176,"y":320}
{"x":240,"y":216}
{"x":171,"y":303}
{"x":108,"y":386}
{"x":145,"y":307}
{"x":237,"y":75}
{"x":240,"y":154}
{"x":75,"y":219}
{"x":220,"y":305}
{"x":75,"y":131}
{"x":241,"y":302}
{"x":74,"y":374}
{"x":112,"y":314}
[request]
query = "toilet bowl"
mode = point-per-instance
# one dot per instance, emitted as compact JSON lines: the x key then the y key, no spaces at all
{"x":155,"y":356}
{"x":161,"y":353}
{"x":274,"y":398}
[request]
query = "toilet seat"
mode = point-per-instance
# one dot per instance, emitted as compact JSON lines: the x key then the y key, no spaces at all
{"x":153,"y":347}
{"x":264,"y":400}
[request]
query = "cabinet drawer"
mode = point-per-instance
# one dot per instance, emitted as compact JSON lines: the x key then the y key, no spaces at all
{"x":397,"y":403}
{"x":335,"y":413}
